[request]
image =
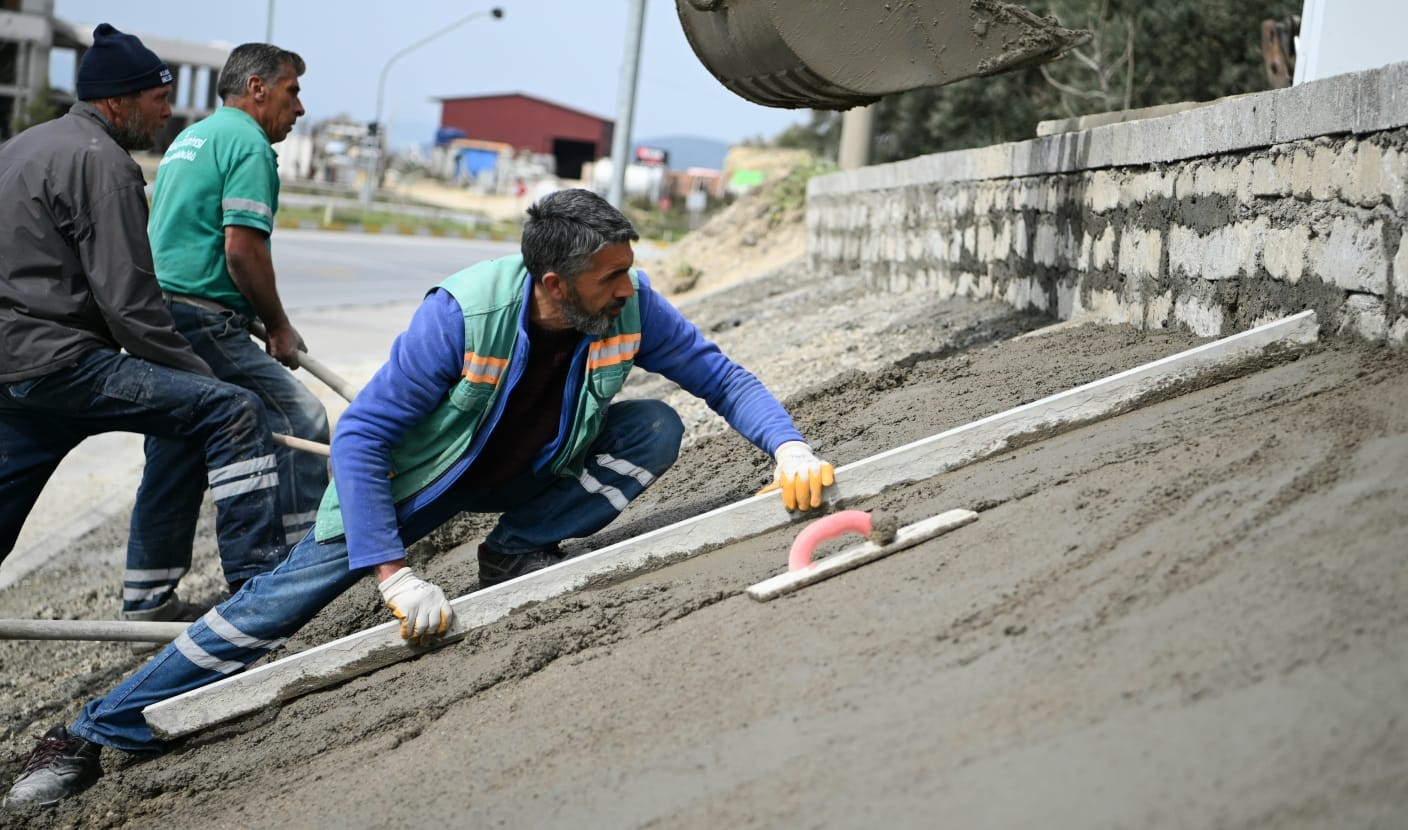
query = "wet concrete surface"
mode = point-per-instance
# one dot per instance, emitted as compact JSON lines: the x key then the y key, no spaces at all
{"x":1193,"y":614}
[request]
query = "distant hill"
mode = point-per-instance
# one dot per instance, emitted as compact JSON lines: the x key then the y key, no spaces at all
{"x":690,"y":151}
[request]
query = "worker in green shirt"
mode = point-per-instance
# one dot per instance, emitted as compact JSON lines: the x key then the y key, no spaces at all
{"x":217,"y":190}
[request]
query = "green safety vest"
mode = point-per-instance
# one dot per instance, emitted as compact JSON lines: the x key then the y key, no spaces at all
{"x":491,"y":296}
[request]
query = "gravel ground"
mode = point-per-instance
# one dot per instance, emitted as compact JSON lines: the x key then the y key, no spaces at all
{"x":1190,"y":615}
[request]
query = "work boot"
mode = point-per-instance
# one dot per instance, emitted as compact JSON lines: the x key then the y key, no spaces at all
{"x":495,"y":567}
{"x":174,"y":609}
{"x":62,"y":765}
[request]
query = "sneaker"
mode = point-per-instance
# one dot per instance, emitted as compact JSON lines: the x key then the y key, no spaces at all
{"x":174,"y":609}
{"x":62,"y":765}
{"x":495,"y":567}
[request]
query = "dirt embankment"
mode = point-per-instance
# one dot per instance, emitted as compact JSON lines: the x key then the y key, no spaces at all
{"x":1194,"y":614}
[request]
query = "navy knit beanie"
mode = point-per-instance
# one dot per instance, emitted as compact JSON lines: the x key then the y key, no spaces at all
{"x":118,"y":64}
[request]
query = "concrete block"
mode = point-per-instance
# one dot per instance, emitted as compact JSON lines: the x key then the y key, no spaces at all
{"x":985,"y":240}
{"x":1381,"y":173}
{"x":1102,"y":253}
{"x":1026,"y":194}
{"x":1363,"y":316}
{"x":1383,"y":99}
{"x":1158,"y":310}
{"x":1400,"y":272}
{"x":1352,"y":257}
{"x":1102,"y":193}
{"x":1201,"y":318}
{"x":1068,"y":251}
{"x":1284,"y":251}
{"x":1002,"y":239}
{"x":1026,"y":293}
{"x":1222,"y":179}
{"x":1270,"y":176}
{"x":947,"y":287}
{"x":1104,"y":306}
{"x":1242,"y":173}
{"x":962,"y":201}
{"x":1185,"y":180}
{"x":1395,"y":178}
{"x":1302,"y":163}
{"x":1398,"y":332}
{"x":1146,"y":187}
{"x":1185,"y":251}
{"x":1329,"y":168}
{"x":1020,"y":245}
{"x":1222,"y":254}
{"x":1325,"y":107}
{"x":1140,"y":252}
{"x":1238,"y":123}
{"x":1067,"y":293}
{"x":1044,"y":246}
{"x":1364,"y":186}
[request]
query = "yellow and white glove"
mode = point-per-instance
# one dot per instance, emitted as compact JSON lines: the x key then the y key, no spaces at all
{"x":419,"y":605}
{"x":800,"y":475}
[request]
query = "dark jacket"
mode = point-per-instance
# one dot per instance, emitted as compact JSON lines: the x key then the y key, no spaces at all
{"x":75,"y":266}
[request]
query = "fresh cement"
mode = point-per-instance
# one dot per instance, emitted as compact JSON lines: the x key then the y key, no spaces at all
{"x":1189,"y":615}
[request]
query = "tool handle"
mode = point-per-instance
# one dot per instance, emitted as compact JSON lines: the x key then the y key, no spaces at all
{"x":315,"y":367}
{"x":304,"y":444}
{"x":117,"y":630}
{"x":829,"y":527}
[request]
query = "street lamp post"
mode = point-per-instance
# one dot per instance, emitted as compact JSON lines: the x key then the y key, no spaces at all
{"x":373,"y":147}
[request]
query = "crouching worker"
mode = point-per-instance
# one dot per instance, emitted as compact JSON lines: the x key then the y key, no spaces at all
{"x":496,"y":399}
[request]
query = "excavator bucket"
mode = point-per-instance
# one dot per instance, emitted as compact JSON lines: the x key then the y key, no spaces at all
{"x":839,"y":54}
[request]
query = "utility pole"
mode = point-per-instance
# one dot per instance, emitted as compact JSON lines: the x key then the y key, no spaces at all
{"x":626,"y":105}
{"x":269,"y":24}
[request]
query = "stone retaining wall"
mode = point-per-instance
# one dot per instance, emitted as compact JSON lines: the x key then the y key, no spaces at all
{"x":1217,"y":219}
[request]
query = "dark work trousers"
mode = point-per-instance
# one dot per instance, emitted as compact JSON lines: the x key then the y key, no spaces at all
{"x":160,"y":539}
{"x":43,"y":418}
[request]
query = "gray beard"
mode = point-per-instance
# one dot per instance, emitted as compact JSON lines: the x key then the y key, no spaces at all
{"x":594,"y":325}
{"x":133,"y":136}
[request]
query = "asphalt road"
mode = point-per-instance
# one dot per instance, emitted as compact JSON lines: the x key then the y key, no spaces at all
{"x":322,"y":269}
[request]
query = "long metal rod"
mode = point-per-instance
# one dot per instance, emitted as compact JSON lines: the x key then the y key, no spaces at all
{"x":114,"y":630}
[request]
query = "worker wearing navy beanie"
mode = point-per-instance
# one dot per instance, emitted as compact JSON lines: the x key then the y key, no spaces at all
{"x":88,"y":345}
{"x":118,"y":64}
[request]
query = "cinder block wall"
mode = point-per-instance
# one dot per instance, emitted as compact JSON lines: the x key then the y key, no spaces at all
{"x":1216,"y":219}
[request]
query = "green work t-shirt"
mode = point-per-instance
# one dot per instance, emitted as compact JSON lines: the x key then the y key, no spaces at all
{"x":219,"y":171}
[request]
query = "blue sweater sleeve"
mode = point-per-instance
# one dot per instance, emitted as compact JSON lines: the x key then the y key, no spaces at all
{"x":675,"y":348}
{"x":425,"y":363}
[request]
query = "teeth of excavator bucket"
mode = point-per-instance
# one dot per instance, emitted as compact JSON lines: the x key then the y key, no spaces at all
{"x":838,"y":54}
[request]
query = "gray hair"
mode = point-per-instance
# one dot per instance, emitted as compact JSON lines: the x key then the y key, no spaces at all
{"x":566,"y":228}
{"x":255,"y":60}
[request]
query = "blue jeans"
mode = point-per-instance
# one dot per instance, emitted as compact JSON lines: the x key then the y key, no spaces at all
{"x":160,"y":538}
{"x":223,"y":426}
{"x":640,"y":441}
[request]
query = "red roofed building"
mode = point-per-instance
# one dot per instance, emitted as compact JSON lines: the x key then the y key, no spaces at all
{"x":570,"y":136}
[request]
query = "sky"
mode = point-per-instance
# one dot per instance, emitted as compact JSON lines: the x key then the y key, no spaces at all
{"x":569,"y":52}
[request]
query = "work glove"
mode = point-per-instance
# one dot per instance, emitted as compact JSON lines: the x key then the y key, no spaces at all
{"x":800,"y":475}
{"x":420,"y":606}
